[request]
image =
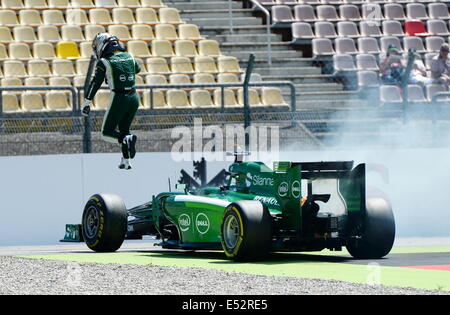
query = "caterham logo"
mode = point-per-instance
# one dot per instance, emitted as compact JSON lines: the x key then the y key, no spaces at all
{"x":184,"y":221}
{"x":283,"y":189}
{"x":202,"y":223}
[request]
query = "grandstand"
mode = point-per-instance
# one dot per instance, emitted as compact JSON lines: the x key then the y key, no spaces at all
{"x":194,"y":55}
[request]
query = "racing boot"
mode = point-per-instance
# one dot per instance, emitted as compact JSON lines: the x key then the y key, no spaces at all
{"x":125,"y":164}
{"x":129,"y":146}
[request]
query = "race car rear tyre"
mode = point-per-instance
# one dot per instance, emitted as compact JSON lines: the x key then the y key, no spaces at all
{"x":246,"y":230}
{"x":104,"y":223}
{"x":377,"y":231}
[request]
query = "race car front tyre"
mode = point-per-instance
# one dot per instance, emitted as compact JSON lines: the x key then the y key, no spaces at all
{"x":246,"y":230}
{"x":104,"y":223}
{"x":377,"y":231}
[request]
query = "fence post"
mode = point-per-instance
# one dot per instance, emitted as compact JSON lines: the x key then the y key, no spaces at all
{"x":87,"y":137}
{"x":247,"y":119}
{"x":1,"y":110}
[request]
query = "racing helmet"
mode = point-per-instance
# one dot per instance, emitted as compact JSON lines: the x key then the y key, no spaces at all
{"x":103,"y":43}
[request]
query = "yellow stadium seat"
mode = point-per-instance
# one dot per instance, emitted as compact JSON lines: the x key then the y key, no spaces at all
{"x":157,"y":65}
{"x":63,"y":67}
{"x":48,"y":33}
{"x":181,"y":65}
{"x":177,"y":98}
{"x":91,"y":30}
{"x":31,"y":101}
{"x":35,"y":81}
{"x":185,"y":48}
{"x":253,"y":97}
{"x":227,"y":78}
{"x":106,"y":3}
{"x":86,"y":49}
{"x":8,"y":17}
{"x":100,"y":16}
{"x":159,"y":100}
{"x":72,"y":33}
{"x":53,"y":17}
{"x":138,"y":48}
{"x":204,"y":78}
{"x":43,"y":50}
{"x":82,"y":66}
{"x":121,"y":31}
{"x":155,"y":79}
{"x":228,"y":64}
{"x":142,"y":32}
{"x":272,"y":96}
{"x":146,"y":16}
{"x":76,"y":17}
{"x":3,"y":52}
{"x":123,"y":16}
{"x":58,"y":4}
{"x":5,"y":34}
{"x":86,"y":4}
{"x":162,"y":48}
{"x":129,"y":3}
{"x":36,"y":4}
{"x":170,"y":16}
{"x":11,"y":82}
{"x":179,"y":79}
{"x":205,"y":64}
{"x":12,"y":4}
{"x":38,"y":67}
{"x":59,"y":81}
{"x":166,"y":31}
{"x":10,"y":102}
{"x":30,"y":17}
{"x":201,"y":98}
{"x":102,"y":99}
{"x":19,"y":51}
{"x":189,"y":31}
{"x":24,"y":34}
{"x":67,"y":50}
{"x":209,"y":47}
{"x":153,"y":3}
{"x":78,"y":80}
{"x":229,"y":98}
{"x":57,"y":100}
{"x":139,"y":80}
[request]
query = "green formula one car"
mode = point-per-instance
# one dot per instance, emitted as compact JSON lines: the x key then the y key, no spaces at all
{"x":293,"y":207}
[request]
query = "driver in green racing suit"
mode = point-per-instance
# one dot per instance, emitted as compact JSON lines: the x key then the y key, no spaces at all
{"x":119,"y":68}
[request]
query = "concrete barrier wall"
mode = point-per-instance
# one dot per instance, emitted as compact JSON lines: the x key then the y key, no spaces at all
{"x":39,"y":194}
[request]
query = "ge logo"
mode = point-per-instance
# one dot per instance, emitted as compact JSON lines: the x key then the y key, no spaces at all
{"x":122,"y":78}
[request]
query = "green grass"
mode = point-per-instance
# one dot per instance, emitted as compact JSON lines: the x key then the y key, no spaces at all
{"x":323,"y":265}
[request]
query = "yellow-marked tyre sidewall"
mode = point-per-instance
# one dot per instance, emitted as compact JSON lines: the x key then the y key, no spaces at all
{"x":113,"y":223}
{"x":255,"y":225}
{"x":233,"y":252}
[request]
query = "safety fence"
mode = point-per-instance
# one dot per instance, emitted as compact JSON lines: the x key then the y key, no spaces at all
{"x":66,"y":131}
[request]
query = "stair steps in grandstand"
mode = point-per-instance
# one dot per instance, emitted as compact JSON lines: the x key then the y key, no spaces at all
{"x":288,"y":71}
{"x":214,"y":31}
{"x":296,"y":79}
{"x":262,"y":55}
{"x":204,"y":5}
{"x":331,"y":103}
{"x":189,"y":15}
{"x":247,"y":38}
{"x":207,"y":21}
{"x":230,"y":47}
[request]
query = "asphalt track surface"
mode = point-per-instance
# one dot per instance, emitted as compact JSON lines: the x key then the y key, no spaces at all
{"x":416,"y":263}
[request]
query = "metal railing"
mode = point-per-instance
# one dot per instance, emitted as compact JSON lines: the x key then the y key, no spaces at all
{"x":268,"y":25}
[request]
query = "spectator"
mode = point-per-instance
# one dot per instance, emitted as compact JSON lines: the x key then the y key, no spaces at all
{"x":391,"y":67}
{"x":440,"y":70}
{"x":418,"y":74}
